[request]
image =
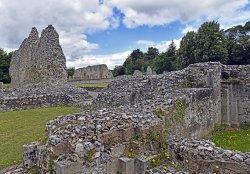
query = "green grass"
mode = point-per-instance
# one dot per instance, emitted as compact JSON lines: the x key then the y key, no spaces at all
{"x":92,"y":85}
{"x":233,"y":139}
{"x":5,"y":85}
{"x":22,"y":127}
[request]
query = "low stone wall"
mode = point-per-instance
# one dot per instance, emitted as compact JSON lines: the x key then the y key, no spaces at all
{"x":36,"y":98}
{"x":202,"y":156}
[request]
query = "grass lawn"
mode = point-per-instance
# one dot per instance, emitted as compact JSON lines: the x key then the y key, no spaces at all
{"x":6,"y":85}
{"x":92,"y":85}
{"x":25,"y":126}
{"x":233,"y":139}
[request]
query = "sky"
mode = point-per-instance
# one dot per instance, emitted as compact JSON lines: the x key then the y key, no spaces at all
{"x":107,"y":31}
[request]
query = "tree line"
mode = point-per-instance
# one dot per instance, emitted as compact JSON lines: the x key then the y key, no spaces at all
{"x":209,"y":43}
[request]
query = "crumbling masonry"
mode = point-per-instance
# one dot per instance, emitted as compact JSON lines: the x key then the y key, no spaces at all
{"x":121,"y":136}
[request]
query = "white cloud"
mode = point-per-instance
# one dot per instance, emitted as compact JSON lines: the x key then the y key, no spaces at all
{"x":71,"y":18}
{"x":161,"y":46}
{"x":162,"y":12}
{"x":111,"y":60}
{"x":187,"y":29}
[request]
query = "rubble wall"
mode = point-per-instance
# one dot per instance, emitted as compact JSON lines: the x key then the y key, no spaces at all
{"x":202,"y":156}
{"x":34,"y":98}
{"x":235,"y":94}
{"x":39,"y":62}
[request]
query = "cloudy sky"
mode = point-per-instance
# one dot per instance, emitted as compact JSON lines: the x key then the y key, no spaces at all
{"x":106,"y":31}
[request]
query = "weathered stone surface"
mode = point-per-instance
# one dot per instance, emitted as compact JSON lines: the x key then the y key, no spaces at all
{"x":208,"y":157}
{"x":67,"y":167}
{"x":1,"y":85}
{"x":149,"y":71}
{"x":137,"y":73}
{"x":39,"y":62}
{"x":30,"y":156}
{"x":92,"y":73}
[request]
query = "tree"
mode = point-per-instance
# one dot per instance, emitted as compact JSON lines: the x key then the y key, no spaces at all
{"x":4,"y":65}
{"x":166,"y":61}
{"x":135,"y":61}
{"x":238,"y":44}
{"x":118,"y":70}
{"x":151,"y":54}
{"x":186,"y":50}
{"x":211,"y":44}
{"x":70,"y":71}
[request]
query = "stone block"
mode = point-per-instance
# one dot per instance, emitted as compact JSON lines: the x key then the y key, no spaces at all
{"x":113,"y":166}
{"x":140,"y":166}
{"x":117,"y":151}
{"x":126,"y":165}
{"x":68,"y":167}
{"x":30,"y":154}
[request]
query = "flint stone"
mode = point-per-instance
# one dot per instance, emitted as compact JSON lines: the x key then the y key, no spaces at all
{"x":247,"y":161}
{"x":53,"y":139}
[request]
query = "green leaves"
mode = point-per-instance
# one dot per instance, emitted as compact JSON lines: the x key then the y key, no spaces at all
{"x":4,"y":66}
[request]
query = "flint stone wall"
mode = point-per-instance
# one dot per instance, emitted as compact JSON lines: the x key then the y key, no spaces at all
{"x":192,"y":97}
{"x":39,"y":62}
{"x":36,"y":98}
{"x":235,"y":94}
{"x":95,"y":72}
{"x":202,"y":156}
{"x":198,"y":86}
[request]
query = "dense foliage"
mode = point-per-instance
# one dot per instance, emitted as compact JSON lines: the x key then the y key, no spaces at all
{"x":70,"y":71}
{"x":4,"y":66}
{"x":209,"y":43}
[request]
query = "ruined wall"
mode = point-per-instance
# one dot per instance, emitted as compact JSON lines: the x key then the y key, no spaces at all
{"x":91,"y":73}
{"x":33,"y":98}
{"x":134,"y":111}
{"x":39,"y":62}
{"x":235,"y":94}
{"x":198,"y":86}
{"x":202,"y":156}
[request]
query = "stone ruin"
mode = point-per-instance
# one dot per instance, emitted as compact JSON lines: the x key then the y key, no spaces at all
{"x":38,"y":75}
{"x":96,"y":72}
{"x":39,"y":62}
{"x":134,"y":123}
{"x":140,"y":120}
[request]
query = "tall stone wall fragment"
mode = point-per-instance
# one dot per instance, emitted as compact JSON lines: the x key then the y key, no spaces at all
{"x":38,"y":62}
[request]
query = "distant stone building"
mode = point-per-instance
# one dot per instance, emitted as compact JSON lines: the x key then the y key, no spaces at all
{"x":92,"y":73}
{"x":39,"y":62}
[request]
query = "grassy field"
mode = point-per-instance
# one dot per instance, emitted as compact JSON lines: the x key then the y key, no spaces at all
{"x":21,"y":127}
{"x":233,"y":139}
{"x":92,"y":85}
